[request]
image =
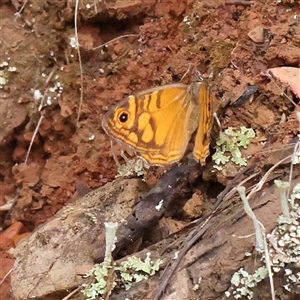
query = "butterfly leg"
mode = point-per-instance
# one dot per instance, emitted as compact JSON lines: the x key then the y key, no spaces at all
{"x":124,"y":156}
{"x":114,"y":154}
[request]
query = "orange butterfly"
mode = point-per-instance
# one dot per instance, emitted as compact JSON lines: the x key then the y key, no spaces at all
{"x":158,"y":123}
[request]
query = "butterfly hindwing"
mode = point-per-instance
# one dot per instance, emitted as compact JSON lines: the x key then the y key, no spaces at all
{"x":202,"y":140}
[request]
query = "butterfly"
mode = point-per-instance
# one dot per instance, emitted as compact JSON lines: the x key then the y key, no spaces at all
{"x":159,"y":122}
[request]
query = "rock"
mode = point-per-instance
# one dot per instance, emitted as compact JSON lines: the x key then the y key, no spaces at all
{"x":12,"y":115}
{"x":257,"y":34}
{"x":288,"y":75}
{"x":46,"y":262}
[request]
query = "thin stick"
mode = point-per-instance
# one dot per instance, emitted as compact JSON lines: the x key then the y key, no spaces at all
{"x":80,"y":62}
{"x":239,"y":2}
{"x":46,"y":87}
{"x":6,"y":275}
{"x":259,"y":185}
{"x":115,"y":39}
{"x":114,"y":154}
{"x":187,"y":71}
{"x":40,"y":109}
{"x":32,"y":139}
{"x":18,"y":13}
{"x":270,"y":74}
{"x":71,"y":294}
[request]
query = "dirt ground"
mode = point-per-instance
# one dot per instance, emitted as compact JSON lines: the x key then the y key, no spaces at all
{"x":126,"y":47}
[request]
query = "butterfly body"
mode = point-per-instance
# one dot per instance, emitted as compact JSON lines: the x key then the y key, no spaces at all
{"x":158,"y":123}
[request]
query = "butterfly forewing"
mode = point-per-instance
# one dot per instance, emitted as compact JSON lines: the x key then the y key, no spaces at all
{"x":171,"y":123}
{"x":153,"y":122}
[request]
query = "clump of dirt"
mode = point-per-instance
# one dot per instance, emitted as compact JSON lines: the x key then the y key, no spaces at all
{"x":48,"y":148}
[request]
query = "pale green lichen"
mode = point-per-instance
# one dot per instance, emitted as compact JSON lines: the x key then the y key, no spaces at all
{"x":228,"y":146}
{"x":258,"y":230}
{"x":285,"y":244}
{"x":73,"y":42}
{"x":131,"y":270}
{"x":296,"y":154}
{"x":97,"y":288}
{"x":283,"y":187}
{"x":5,"y":70}
{"x":295,"y":195}
{"x":3,"y":80}
{"x":136,"y":264}
{"x":103,"y":272}
{"x":12,"y":69}
{"x":287,"y":233}
{"x":136,"y":166}
{"x":3,"y":64}
{"x":244,"y":282}
{"x":284,"y":253}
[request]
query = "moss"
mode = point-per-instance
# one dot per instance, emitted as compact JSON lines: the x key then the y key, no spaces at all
{"x":220,"y":54}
